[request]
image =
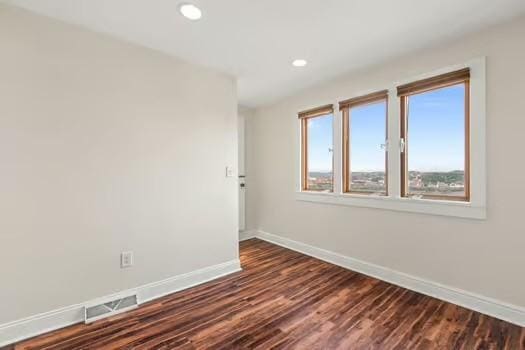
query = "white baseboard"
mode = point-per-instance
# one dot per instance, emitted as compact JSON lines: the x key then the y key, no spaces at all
{"x":32,"y":326}
{"x":495,"y":308}
{"x":247,"y":234}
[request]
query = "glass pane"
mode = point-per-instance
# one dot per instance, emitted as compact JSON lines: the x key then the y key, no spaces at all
{"x":436,"y":142}
{"x":367,"y":148}
{"x":320,"y":154}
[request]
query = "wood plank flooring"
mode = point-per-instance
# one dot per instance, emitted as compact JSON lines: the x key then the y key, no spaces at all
{"x":286,"y":300}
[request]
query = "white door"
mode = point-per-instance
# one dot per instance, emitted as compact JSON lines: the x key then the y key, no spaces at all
{"x":242,"y":175}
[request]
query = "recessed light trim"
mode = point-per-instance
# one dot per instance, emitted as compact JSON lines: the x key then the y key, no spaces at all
{"x":190,"y":11}
{"x":299,"y":63}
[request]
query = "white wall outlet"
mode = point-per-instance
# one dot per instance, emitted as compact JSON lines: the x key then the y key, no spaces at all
{"x":126,"y":259}
{"x":229,"y":171}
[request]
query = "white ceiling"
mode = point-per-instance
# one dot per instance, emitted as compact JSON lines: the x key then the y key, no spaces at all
{"x":256,"y":40}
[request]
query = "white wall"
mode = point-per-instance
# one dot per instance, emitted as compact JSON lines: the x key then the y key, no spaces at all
{"x":107,"y":147}
{"x":484,"y":257}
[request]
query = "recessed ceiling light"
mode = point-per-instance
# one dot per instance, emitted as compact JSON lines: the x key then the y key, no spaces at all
{"x":299,"y":63}
{"x":190,"y":11}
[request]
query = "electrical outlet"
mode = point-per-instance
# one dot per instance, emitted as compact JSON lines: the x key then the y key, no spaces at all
{"x":126,"y":259}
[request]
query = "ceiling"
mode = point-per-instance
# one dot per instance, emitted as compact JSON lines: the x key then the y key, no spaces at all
{"x":256,"y":40}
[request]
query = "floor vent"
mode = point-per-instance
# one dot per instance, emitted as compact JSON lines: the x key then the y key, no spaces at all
{"x":110,"y":308}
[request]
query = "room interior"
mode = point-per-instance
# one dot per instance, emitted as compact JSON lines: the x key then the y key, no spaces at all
{"x":262,"y":175}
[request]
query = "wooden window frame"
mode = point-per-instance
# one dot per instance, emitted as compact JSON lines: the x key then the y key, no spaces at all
{"x":345,"y":107}
{"x":304,"y":117}
{"x":460,"y":77}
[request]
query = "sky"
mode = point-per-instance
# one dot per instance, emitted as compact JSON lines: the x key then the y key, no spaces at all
{"x":320,"y":141}
{"x":436,"y":129}
{"x":367,"y":134}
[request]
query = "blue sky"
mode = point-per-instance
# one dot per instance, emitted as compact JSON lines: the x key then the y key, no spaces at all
{"x":367,"y":134}
{"x":436,"y":133}
{"x":436,"y":130}
{"x":320,"y":140}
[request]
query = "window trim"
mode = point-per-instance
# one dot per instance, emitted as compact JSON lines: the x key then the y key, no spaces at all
{"x":475,"y":209}
{"x":410,"y":205}
{"x":461,"y":77}
{"x":345,"y":107}
{"x":304,"y":117}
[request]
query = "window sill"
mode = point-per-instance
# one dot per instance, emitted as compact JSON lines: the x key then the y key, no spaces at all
{"x":424,"y":206}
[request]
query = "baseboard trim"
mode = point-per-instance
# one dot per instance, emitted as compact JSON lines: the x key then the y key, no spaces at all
{"x":247,"y":234}
{"x":495,"y":308}
{"x":17,"y":331}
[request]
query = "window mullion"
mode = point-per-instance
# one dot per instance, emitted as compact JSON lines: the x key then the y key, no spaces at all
{"x":394,"y":138}
{"x":337,"y":151}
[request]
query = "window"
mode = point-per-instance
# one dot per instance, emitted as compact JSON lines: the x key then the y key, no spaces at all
{"x":316,"y":149}
{"x":435,"y":137}
{"x":417,"y":146}
{"x":365,"y":145}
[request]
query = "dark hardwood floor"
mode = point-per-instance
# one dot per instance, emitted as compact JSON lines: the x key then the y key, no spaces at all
{"x":286,"y":300}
